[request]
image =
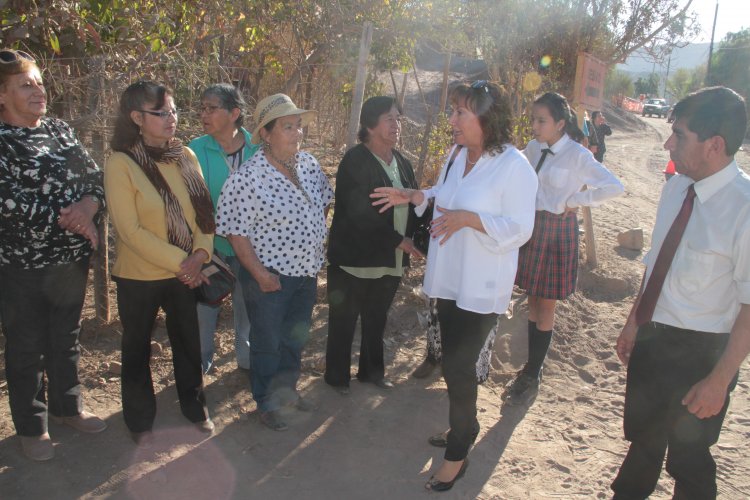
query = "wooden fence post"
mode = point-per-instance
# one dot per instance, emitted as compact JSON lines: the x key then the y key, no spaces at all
{"x":359,"y":84}
{"x":100,"y":259}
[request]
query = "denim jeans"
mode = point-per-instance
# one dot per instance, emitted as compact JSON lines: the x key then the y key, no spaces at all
{"x":208,"y":317}
{"x":279,"y":329}
{"x":40,"y":310}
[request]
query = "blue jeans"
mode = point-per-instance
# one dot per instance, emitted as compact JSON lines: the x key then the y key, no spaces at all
{"x":208,"y":317}
{"x":279,"y":329}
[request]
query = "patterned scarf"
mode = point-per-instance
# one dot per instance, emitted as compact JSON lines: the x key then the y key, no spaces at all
{"x":178,"y":230}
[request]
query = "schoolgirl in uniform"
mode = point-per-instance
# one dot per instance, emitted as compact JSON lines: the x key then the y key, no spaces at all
{"x":548,"y":263}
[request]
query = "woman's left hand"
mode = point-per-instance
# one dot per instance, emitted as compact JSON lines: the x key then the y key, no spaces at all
{"x":448,"y":223}
{"x":190,"y":269}
{"x":78,"y":218}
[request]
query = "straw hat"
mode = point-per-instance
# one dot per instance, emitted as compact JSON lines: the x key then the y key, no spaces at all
{"x":277,"y":106}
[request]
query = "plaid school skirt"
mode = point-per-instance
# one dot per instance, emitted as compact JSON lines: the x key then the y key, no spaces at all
{"x":548,"y":262}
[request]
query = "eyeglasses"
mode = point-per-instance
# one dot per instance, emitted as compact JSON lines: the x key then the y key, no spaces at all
{"x":208,"y":109}
{"x":10,"y":56}
{"x":161,"y":114}
{"x":481,"y":84}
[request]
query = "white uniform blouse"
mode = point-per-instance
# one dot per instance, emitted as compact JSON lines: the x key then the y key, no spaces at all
{"x":564,"y":173}
{"x":477,"y":270}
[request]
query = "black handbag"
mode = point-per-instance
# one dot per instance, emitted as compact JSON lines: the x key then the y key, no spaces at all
{"x":221,"y":282}
{"x":421,"y":236}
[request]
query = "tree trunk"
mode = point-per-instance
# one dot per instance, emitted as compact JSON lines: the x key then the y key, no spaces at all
{"x":359,"y":84}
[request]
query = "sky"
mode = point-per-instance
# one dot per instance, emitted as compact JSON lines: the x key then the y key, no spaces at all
{"x":733,"y":16}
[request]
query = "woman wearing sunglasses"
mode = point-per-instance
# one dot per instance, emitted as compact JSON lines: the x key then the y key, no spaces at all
{"x":50,"y":193}
{"x":484,"y":211}
{"x":163,"y":216}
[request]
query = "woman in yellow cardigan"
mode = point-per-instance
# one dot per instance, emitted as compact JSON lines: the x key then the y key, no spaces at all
{"x":162,"y":213}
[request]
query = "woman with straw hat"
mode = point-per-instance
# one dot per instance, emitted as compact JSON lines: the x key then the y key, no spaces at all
{"x":273,"y":212}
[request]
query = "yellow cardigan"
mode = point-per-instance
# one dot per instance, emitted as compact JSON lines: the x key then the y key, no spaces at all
{"x":143,"y":251}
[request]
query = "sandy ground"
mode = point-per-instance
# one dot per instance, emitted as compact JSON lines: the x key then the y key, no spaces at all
{"x":373,"y":444}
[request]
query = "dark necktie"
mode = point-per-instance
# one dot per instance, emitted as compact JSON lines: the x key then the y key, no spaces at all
{"x":545,"y":152}
{"x":668,"y":248}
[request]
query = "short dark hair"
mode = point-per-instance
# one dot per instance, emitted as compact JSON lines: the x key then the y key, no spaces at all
{"x":595,"y":115}
{"x":136,"y":97}
{"x":229,"y":97}
{"x":713,"y":111}
{"x":558,"y":107}
{"x":492,"y":106}
{"x":372,"y":110}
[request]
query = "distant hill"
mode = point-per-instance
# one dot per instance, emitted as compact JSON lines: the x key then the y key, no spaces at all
{"x":688,"y":57}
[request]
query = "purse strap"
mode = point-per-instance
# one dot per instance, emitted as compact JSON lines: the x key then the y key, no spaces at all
{"x":450,"y":163}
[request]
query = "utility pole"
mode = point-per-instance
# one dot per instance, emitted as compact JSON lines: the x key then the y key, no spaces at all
{"x":666,"y":78}
{"x":711,"y":47}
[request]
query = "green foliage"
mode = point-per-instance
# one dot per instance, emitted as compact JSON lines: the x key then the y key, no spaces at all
{"x":618,"y":83}
{"x":730,"y":65}
{"x":438,"y":147}
{"x":648,"y":86}
{"x":683,"y":81}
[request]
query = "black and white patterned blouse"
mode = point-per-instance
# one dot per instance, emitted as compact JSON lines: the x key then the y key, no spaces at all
{"x":42,"y":170}
{"x":287,"y":231}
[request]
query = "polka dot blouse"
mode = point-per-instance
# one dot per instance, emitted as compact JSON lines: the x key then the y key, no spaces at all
{"x":286,"y":230}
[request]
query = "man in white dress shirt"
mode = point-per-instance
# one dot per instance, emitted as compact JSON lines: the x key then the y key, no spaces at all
{"x":684,"y":352}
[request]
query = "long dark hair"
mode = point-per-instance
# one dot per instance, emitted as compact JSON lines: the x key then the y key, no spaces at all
{"x":492,"y":106}
{"x":136,"y":97}
{"x":559,"y":109}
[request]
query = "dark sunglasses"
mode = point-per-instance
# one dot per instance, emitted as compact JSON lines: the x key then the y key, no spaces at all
{"x":481,"y":84}
{"x":10,"y":56}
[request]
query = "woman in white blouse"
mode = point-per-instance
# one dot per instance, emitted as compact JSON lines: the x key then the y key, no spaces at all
{"x":484,"y":211}
{"x":548,"y":263}
{"x":273,"y":212}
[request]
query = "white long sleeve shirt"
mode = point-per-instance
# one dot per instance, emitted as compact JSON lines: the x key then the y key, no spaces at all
{"x":475,"y":269}
{"x":564,"y":173}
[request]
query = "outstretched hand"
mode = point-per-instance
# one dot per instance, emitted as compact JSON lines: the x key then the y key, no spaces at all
{"x":388,"y":197}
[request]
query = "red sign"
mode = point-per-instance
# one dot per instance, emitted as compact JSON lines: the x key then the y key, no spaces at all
{"x":589,"y":84}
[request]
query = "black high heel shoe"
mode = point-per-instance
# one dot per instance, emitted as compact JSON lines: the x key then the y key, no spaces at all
{"x":435,"y":485}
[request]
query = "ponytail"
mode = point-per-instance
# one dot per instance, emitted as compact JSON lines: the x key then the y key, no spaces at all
{"x":572,"y":128}
{"x":560,"y":110}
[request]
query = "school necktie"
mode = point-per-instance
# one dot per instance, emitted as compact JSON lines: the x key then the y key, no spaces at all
{"x":651,"y":294}
{"x":545,"y":152}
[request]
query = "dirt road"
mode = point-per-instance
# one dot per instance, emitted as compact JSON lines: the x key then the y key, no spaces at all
{"x":372,"y":444}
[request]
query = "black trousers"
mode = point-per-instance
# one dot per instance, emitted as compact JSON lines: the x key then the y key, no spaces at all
{"x":139,"y":302}
{"x":40,"y":310}
{"x":350,"y":297}
{"x":665,"y":363}
{"x":462,"y":334}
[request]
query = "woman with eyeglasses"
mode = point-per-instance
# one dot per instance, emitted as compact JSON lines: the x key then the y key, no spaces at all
{"x":367,"y":250}
{"x":548,"y":263}
{"x":484,"y":211}
{"x":220,"y":152}
{"x":163,"y":216}
{"x":51,"y":195}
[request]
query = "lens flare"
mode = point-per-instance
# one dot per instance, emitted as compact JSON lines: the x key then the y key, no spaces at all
{"x":532,"y":81}
{"x":545,"y":61}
